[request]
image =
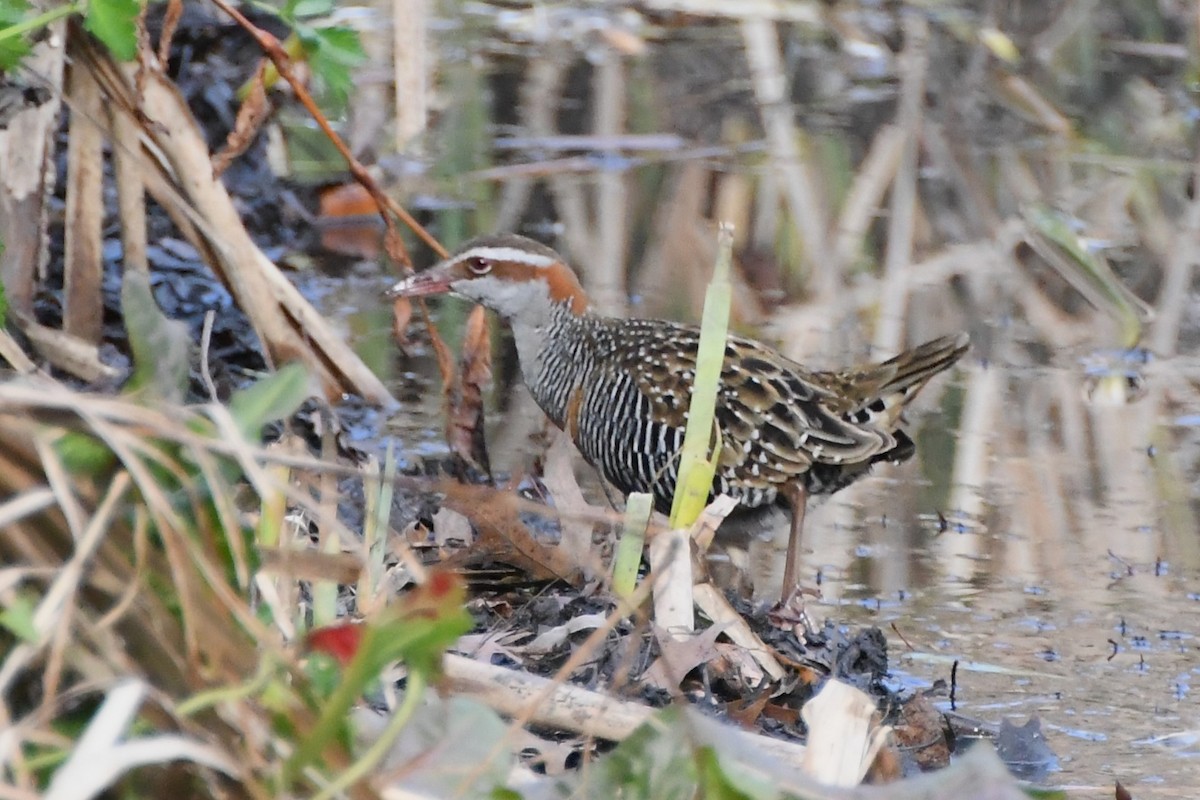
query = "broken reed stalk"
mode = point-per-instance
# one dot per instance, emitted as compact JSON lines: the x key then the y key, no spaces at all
{"x":638,"y":507}
{"x":671,"y":568}
{"x":131,"y":190}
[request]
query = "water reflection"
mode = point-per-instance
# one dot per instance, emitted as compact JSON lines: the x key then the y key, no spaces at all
{"x":1043,"y":540}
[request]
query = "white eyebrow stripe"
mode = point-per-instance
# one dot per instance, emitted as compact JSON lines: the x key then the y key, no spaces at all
{"x":509,"y":254}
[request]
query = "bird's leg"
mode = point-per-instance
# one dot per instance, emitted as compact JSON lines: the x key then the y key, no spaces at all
{"x":797,"y":497}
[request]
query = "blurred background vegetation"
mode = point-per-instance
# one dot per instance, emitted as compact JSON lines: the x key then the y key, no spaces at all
{"x":1025,"y":171}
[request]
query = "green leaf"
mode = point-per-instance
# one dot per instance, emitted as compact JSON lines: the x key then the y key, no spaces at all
{"x":161,"y":346}
{"x":270,"y":398}
{"x":418,"y":630}
{"x":17,"y":616}
{"x":84,"y":455}
{"x":333,"y":52}
{"x":13,"y":45}
{"x":12,"y":50}
{"x":324,"y":672}
{"x":655,"y":761}
{"x":306,"y":9}
{"x":12,"y":12}
{"x":114,"y":23}
{"x":720,"y":783}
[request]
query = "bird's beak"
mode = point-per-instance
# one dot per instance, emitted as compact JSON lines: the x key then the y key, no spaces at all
{"x":431,"y":281}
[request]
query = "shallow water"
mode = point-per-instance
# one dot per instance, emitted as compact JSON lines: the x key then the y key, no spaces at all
{"x":1045,"y":543}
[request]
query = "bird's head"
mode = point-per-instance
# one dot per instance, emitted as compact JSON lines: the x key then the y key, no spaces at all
{"x":509,"y":274}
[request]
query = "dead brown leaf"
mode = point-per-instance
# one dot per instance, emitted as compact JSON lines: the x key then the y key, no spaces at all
{"x":250,"y":118}
{"x":780,"y":713}
{"x":170,"y":22}
{"x":449,"y":526}
{"x":310,"y":565}
{"x":679,"y":656}
{"x":502,"y":534}
{"x":921,"y":730}
{"x":485,"y":646}
{"x":746,"y":710}
{"x":402,"y":312}
{"x":464,"y":411}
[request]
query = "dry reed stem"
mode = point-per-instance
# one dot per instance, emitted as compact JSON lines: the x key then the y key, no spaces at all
{"x":65,"y":586}
{"x":801,"y":11}
{"x":671,"y":568}
{"x":1179,"y":269}
{"x":808,"y":208}
{"x":545,"y":701}
{"x":14,"y":356}
{"x":83,"y":269}
{"x":410,"y":27}
{"x":844,"y":736}
{"x":65,"y":351}
{"x":889,"y":334}
{"x":27,"y":145}
{"x":871,"y":181}
{"x":606,"y":276}
{"x":285,"y":322}
{"x":26,"y":504}
{"x":131,"y":190}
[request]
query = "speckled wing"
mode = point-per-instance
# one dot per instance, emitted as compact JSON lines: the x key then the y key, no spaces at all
{"x":776,"y":417}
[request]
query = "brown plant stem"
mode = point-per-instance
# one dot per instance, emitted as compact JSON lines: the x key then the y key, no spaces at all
{"x":279,"y":57}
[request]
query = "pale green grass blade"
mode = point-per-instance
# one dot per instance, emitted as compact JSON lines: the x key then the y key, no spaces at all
{"x":696,"y":469}
{"x":629,"y":549}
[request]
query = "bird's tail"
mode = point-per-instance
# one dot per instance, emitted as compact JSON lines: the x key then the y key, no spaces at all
{"x":883,"y":390}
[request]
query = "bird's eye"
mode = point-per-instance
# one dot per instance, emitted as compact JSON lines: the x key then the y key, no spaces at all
{"x":479,"y":265}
